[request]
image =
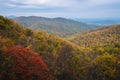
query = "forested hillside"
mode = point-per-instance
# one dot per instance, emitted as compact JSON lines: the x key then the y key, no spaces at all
{"x":104,"y":44}
{"x":17,"y":62}
{"x":100,"y":37}
{"x":57,"y":26}
{"x":55,"y":51}
{"x":29,"y":55}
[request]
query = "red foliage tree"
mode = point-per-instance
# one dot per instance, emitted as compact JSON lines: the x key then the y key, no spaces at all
{"x":24,"y":65}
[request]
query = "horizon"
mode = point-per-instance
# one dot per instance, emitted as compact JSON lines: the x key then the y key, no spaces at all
{"x":60,"y":8}
{"x":74,"y":18}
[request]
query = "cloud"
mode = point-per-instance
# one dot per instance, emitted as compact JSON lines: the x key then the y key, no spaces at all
{"x":58,"y":3}
{"x":45,"y":3}
{"x":63,"y":8}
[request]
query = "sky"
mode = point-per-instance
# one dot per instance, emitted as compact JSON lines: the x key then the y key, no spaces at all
{"x":61,"y":8}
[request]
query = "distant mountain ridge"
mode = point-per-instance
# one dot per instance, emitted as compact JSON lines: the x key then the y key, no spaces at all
{"x":57,"y":26}
{"x":100,"y":21}
{"x":11,"y":16}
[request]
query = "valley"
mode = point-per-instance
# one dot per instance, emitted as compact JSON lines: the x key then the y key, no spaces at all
{"x":88,"y":55}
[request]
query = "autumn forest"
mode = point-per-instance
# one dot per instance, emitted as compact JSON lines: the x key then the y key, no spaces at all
{"x":31,"y":54}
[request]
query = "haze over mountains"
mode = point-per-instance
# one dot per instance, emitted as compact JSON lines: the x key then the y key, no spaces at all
{"x":56,"y":26}
{"x":90,"y":21}
{"x":62,"y":26}
{"x":100,"y":21}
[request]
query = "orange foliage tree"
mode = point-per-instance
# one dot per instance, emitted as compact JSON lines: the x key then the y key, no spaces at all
{"x":20,"y":63}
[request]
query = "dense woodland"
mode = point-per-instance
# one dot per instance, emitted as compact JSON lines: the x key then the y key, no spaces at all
{"x":29,"y":55}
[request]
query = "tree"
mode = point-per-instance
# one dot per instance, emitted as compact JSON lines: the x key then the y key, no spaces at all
{"x":20,"y":63}
{"x":105,"y":67}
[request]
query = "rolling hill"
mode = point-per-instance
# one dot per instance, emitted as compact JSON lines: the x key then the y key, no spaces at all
{"x":99,"y":37}
{"x":55,"y":52}
{"x":57,"y":26}
{"x":29,"y":55}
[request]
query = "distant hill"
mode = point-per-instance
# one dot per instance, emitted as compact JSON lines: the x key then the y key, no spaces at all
{"x":58,"y":26}
{"x":100,"y":37}
{"x":11,"y":16}
{"x":100,"y":21}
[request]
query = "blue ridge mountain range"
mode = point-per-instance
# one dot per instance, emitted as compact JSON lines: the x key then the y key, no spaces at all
{"x":57,"y":26}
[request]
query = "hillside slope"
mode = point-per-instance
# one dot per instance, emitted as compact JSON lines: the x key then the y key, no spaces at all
{"x":100,"y":37}
{"x":17,"y":62}
{"x":57,"y":26}
{"x":55,"y":51}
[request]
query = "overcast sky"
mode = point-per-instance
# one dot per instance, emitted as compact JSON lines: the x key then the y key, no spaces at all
{"x":61,"y":8}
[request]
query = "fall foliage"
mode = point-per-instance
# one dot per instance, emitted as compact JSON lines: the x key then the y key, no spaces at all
{"x":93,"y":55}
{"x":20,"y":63}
